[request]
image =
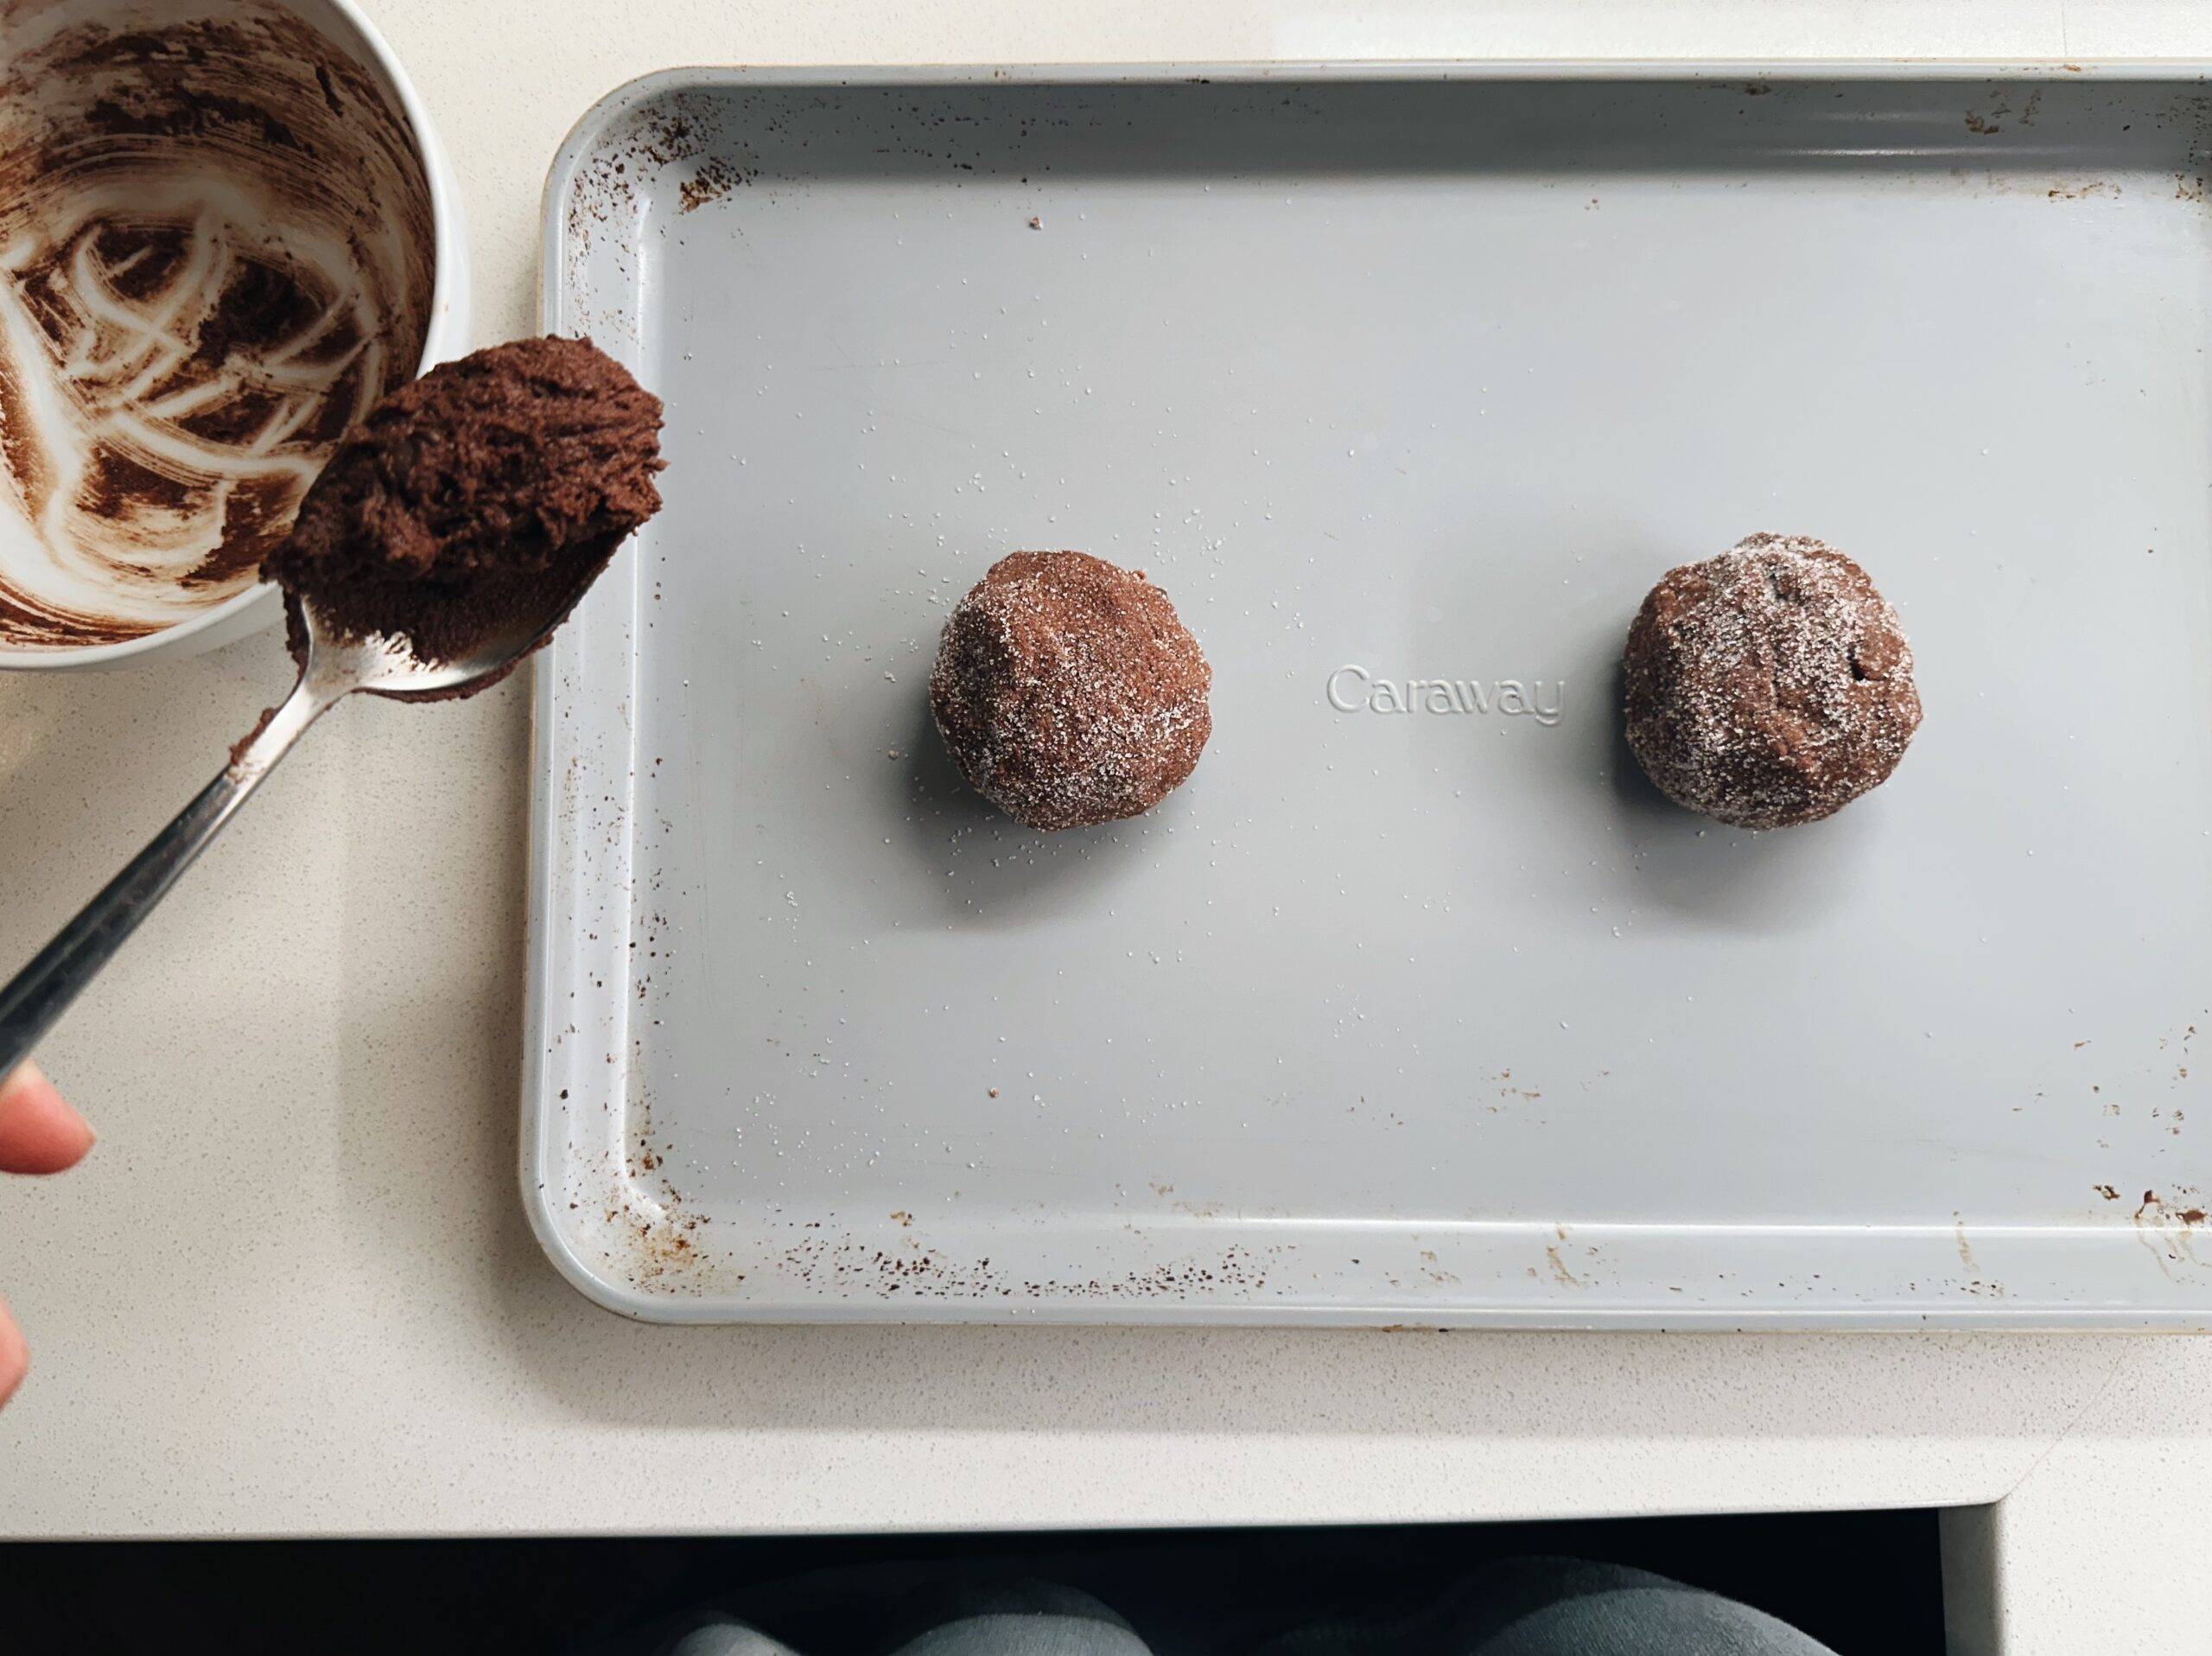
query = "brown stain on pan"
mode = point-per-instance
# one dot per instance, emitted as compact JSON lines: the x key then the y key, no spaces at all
{"x":850,"y":1268}
{"x":2167,"y":1225}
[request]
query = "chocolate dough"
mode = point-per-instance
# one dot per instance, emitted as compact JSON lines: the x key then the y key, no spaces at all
{"x":1069,"y":691}
{"x":1768,"y":685}
{"x":465,"y":501}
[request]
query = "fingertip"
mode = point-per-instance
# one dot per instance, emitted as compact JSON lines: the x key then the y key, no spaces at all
{"x":14,"y":1355}
{"x":39,"y":1132}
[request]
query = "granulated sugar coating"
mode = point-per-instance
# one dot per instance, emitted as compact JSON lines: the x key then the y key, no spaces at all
{"x":1768,"y":685}
{"x":1069,"y":691}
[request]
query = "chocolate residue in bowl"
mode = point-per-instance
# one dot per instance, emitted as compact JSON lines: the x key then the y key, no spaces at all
{"x":215,"y":255}
{"x":485,"y":496}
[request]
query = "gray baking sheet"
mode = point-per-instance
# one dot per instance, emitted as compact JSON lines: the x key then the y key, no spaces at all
{"x":1432,"y":1017}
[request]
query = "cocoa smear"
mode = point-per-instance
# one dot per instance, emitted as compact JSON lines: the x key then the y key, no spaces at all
{"x":1069,"y":691}
{"x":485,"y":497}
{"x":218,"y":256}
{"x":1768,"y":685}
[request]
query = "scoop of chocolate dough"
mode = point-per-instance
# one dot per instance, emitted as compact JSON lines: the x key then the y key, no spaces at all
{"x":490,"y":491}
{"x":1069,"y":691}
{"x":1768,"y":685}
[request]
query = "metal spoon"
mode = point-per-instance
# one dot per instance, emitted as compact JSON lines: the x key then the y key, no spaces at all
{"x":336,"y":667}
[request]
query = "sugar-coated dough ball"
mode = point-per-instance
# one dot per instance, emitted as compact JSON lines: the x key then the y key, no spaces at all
{"x":1068,"y":691}
{"x":1768,"y":685}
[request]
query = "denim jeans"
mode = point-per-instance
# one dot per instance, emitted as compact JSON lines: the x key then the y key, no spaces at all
{"x":1515,"y":1607}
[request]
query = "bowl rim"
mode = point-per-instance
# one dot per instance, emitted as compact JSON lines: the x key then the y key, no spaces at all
{"x":446,"y":273}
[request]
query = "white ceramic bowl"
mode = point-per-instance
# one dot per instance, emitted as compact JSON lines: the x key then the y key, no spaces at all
{"x":339,"y":30}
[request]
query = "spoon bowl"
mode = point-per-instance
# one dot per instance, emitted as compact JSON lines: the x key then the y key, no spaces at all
{"x":387,"y":666}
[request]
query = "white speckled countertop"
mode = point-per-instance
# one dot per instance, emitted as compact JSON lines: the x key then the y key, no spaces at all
{"x":292,"y":1292}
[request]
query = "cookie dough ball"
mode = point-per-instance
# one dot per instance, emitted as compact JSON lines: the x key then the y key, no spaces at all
{"x":1769,"y":685}
{"x":1068,"y":691}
